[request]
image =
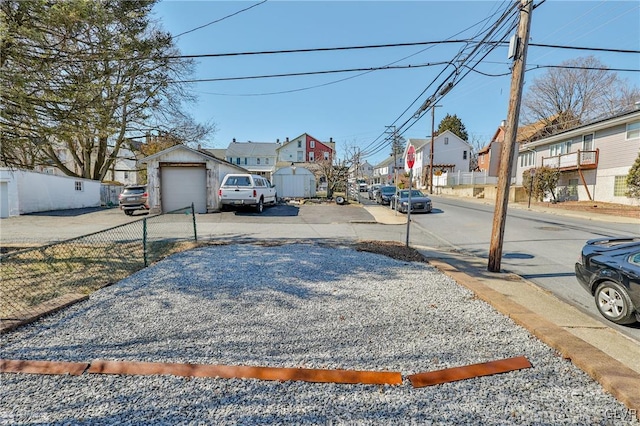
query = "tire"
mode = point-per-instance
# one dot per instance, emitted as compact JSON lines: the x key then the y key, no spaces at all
{"x":260,"y":206}
{"x":614,"y":303}
{"x":339,"y":200}
{"x":128,"y":212}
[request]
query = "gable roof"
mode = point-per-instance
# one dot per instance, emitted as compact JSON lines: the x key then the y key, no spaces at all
{"x":252,"y":149}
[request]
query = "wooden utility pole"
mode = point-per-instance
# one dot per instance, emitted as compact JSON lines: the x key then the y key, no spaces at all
{"x":433,"y":132}
{"x":506,"y":158}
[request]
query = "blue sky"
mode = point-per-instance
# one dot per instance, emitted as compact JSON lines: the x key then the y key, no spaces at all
{"x":354,"y":108}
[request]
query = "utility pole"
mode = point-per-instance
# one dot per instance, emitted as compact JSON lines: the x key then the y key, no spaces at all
{"x":392,"y":130}
{"x":433,"y":132}
{"x":506,"y":158}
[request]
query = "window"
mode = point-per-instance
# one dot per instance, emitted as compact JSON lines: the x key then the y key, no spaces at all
{"x":464,"y":154}
{"x":299,"y":144}
{"x":311,"y":156}
{"x":446,"y":140}
{"x":633,"y":130}
{"x":620,"y":186}
{"x":266,"y":161}
{"x":326,"y":155}
{"x":527,"y":159}
{"x":126,"y":175}
{"x":572,"y":188}
{"x":245,"y":161}
{"x":238,"y":160}
{"x":300,"y":156}
{"x":257,"y":161}
{"x":312,"y":144}
{"x":79,"y":186}
{"x":587,"y":142}
{"x":560,"y":148}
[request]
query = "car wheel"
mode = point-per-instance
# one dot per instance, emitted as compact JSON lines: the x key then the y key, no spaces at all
{"x":260,"y":206}
{"x":128,"y":212}
{"x":614,"y":303}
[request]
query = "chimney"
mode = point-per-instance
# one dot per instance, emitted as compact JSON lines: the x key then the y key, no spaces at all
{"x":278,"y":141}
{"x":503,"y":123}
{"x":234,"y":140}
{"x":287,"y":139}
{"x":330,"y":140}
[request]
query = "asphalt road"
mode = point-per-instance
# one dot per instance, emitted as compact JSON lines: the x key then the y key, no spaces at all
{"x":540,"y":247}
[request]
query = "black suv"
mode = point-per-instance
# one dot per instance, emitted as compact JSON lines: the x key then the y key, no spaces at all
{"x":134,"y":197}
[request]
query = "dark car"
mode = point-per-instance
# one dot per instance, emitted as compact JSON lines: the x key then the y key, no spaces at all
{"x":420,"y":203}
{"x":384,"y":194}
{"x":134,"y":197}
{"x":609,"y":269}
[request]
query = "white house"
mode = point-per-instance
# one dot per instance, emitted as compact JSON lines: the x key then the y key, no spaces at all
{"x":593,"y":159}
{"x":450,"y":154}
{"x":257,"y":157}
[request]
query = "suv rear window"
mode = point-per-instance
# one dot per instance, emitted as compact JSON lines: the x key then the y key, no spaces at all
{"x":135,"y":190}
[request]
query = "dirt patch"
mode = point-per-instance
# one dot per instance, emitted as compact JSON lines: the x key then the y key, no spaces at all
{"x":393,"y":249}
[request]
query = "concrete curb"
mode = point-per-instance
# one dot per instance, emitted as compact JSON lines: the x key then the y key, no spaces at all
{"x":615,"y":377}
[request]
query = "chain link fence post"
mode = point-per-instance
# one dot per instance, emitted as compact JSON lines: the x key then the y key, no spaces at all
{"x":193,"y":215}
{"x":144,"y":242}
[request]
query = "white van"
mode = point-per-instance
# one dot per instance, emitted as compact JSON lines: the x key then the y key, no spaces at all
{"x":247,"y":190}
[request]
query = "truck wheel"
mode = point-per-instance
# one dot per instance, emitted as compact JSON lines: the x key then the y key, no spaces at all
{"x":260,"y":206}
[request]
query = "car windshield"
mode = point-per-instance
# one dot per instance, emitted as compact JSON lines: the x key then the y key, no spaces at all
{"x":414,"y":193}
{"x":388,"y":190}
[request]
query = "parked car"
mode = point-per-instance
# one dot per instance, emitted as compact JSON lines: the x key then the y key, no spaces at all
{"x":132,"y":198}
{"x":372,"y":190}
{"x":247,"y":190}
{"x":420,"y":203}
{"x":609,"y":269}
{"x":384,"y":194}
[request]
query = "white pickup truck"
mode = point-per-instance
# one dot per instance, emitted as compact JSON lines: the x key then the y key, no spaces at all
{"x":247,"y":190}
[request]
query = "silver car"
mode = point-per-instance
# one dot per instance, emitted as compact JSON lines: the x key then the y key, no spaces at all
{"x":420,"y":203}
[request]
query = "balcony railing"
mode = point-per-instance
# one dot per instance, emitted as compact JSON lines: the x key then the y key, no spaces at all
{"x":573,"y":161}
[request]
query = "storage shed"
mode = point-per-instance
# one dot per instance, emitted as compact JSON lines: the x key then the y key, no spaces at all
{"x":179,"y":176}
{"x":294,"y":182}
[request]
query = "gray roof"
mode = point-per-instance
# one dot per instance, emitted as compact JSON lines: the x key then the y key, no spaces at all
{"x":252,"y":149}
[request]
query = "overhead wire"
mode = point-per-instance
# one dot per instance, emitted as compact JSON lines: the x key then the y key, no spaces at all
{"x":497,"y":26}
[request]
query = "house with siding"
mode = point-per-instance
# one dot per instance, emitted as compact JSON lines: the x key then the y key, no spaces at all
{"x":450,"y":154}
{"x":593,"y":159}
{"x":305,"y":149}
{"x":257,"y":157}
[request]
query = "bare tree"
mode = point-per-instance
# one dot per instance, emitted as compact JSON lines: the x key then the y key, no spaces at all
{"x":582,"y":90}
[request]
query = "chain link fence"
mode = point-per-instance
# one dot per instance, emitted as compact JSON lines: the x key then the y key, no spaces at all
{"x":37,"y":280}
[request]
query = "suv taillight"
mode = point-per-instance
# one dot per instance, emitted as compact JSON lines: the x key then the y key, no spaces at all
{"x":146,"y":194}
{"x":220,"y":193}
{"x":255,"y":193}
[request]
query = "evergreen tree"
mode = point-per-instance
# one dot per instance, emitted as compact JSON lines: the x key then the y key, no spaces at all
{"x":81,"y":77}
{"x":633,"y":179}
{"x":455,"y":125}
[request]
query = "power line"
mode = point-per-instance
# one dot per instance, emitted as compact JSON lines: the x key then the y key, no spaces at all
{"x":218,"y":20}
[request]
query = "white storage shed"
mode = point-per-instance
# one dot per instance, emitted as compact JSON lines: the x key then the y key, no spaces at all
{"x":294,"y":182}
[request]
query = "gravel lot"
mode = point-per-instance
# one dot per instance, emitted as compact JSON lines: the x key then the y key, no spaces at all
{"x":293,"y":305}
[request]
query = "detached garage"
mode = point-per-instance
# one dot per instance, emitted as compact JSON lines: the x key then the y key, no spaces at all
{"x":179,"y":176}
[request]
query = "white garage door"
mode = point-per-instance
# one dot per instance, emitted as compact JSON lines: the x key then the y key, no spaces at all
{"x":181,"y":186}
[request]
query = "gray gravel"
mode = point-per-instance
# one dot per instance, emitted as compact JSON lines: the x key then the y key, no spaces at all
{"x":292,"y":306}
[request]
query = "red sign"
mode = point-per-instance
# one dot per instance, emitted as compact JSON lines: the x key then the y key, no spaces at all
{"x":411,"y":156}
